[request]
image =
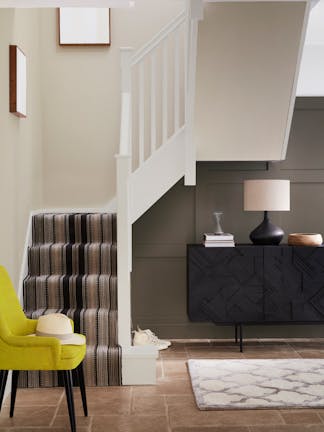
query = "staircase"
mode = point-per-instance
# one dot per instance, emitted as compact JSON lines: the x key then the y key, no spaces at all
{"x":72,"y":261}
{"x":72,"y":269}
{"x":163,"y":122}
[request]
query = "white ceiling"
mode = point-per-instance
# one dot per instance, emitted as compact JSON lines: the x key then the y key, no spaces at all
{"x":315,"y":29}
{"x":65,"y":3}
{"x":311,"y":74}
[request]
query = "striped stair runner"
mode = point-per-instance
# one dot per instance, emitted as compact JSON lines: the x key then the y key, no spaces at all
{"x":73,"y":270}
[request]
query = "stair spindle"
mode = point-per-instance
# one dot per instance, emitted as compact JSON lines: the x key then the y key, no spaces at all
{"x":176,"y":80}
{"x":153,"y":102}
{"x":141,"y":114}
{"x":165,"y":92}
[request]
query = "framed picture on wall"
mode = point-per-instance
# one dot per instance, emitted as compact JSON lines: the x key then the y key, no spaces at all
{"x":17,"y":81}
{"x":84,"y":26}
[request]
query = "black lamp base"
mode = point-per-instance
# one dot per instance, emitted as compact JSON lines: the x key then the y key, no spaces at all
{"x":266,"y":233}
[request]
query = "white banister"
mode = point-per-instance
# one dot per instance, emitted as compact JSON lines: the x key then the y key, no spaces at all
{"x":125,"y":124}
{"x":176,"y":80}
{"x":156,"y":40}
{"x":165,"y":91}
{"x":124,"y":250}
{"x":196,"y":8}
{"x":153,"y":102}
{"x":141,"y":113}
{"x":126,"y":102}
{"x":163,"y":76}
{"x":124,"y":233}
{"x":195,"y":14}
{"x":154,"y":98}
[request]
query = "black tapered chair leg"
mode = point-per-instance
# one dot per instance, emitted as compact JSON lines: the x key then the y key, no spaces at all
{"x":3,"y":382}
{"x":80,"y":374}
{"x":67,"y":377}
{"x":14,"y":384}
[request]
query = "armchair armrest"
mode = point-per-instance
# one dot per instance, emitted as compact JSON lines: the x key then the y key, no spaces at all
{"x":33,"y":341}
{"x":36,"y":342}
{"x":31,"y":325}
{"x":31,"y":352}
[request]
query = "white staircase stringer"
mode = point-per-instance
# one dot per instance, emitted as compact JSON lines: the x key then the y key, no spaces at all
{"x":157,"y":175}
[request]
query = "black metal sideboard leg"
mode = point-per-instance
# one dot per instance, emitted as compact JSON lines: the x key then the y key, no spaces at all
{"x":241,"y":338}
{"x":235,"y":333}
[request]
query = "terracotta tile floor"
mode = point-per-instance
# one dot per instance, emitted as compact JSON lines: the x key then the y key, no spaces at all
{"x":169,"y":406}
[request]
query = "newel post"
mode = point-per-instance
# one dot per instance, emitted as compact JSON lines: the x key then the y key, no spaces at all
{"x":124,"y":226}
{"x":195,"y":13}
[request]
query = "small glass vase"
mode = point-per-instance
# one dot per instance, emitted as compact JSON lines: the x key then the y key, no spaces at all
{"x":217,"y":218}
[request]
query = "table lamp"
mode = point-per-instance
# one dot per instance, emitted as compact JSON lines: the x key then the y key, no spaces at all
{"x":266,"y":195}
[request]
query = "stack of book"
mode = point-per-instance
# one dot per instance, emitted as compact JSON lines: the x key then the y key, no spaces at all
{"x":219,"y":240}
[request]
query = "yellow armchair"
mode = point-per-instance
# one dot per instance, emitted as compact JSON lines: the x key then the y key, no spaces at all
{"x":20,"y":351}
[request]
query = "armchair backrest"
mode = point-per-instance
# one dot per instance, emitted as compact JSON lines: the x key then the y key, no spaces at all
{"x":12,"y":317}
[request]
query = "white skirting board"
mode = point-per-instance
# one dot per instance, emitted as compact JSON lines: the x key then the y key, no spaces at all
{"x":139,"y":365}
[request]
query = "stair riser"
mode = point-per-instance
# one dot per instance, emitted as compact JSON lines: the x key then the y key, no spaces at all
{"x":74,"y":228}
{"x":73,"y":259}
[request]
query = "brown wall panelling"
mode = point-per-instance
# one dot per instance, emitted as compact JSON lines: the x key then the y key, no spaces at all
{"x":182,"y":215}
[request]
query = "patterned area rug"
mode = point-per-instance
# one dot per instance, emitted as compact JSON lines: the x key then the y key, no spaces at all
{"x":251,"y":384}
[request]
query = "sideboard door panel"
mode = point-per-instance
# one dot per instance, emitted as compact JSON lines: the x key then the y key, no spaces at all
{"x":282,"y":284}
{"x":293,"y":284}
{"x":225,"y":285}
{"x":309,"y":261}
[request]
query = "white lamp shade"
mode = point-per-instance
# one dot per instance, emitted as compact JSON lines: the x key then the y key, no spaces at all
{"x":267,"y":195}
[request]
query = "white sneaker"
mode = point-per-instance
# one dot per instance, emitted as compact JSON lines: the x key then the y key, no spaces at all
{"x":142,"y":338}
{"x":149,"y":332}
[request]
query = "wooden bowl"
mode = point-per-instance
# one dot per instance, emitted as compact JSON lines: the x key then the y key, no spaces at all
{"x":305,"y":239}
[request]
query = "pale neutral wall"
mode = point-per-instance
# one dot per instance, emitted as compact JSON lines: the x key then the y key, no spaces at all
{"x":20,"y":139}
{"x":310,"y":81}
{"x":81,"y":103}
{"x":247,"y":57}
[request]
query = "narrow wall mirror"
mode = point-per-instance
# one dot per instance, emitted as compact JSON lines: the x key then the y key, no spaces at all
{"x":84,"y":26}
{"x":18,"y":81}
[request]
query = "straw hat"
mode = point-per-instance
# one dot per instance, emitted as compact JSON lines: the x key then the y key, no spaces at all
{"x":59,"y":326}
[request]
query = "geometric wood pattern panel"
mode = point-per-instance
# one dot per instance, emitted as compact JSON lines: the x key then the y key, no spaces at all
{"x":256,"y":284}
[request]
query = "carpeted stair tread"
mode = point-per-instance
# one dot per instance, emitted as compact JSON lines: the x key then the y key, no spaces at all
{"x":92,"y":291}
{"x":74,"y":228}
{"x":72,"y":258}
{"x":72,"y":266}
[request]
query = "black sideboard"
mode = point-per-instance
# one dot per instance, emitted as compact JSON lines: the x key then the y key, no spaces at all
{"x":252,"y":284}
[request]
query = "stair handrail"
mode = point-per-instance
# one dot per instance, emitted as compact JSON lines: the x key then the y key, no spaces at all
{"x":158,"y":38}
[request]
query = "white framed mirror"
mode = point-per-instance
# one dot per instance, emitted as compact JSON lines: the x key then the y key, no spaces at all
{"x":84,"y":26}
{"x":18,"y":81}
